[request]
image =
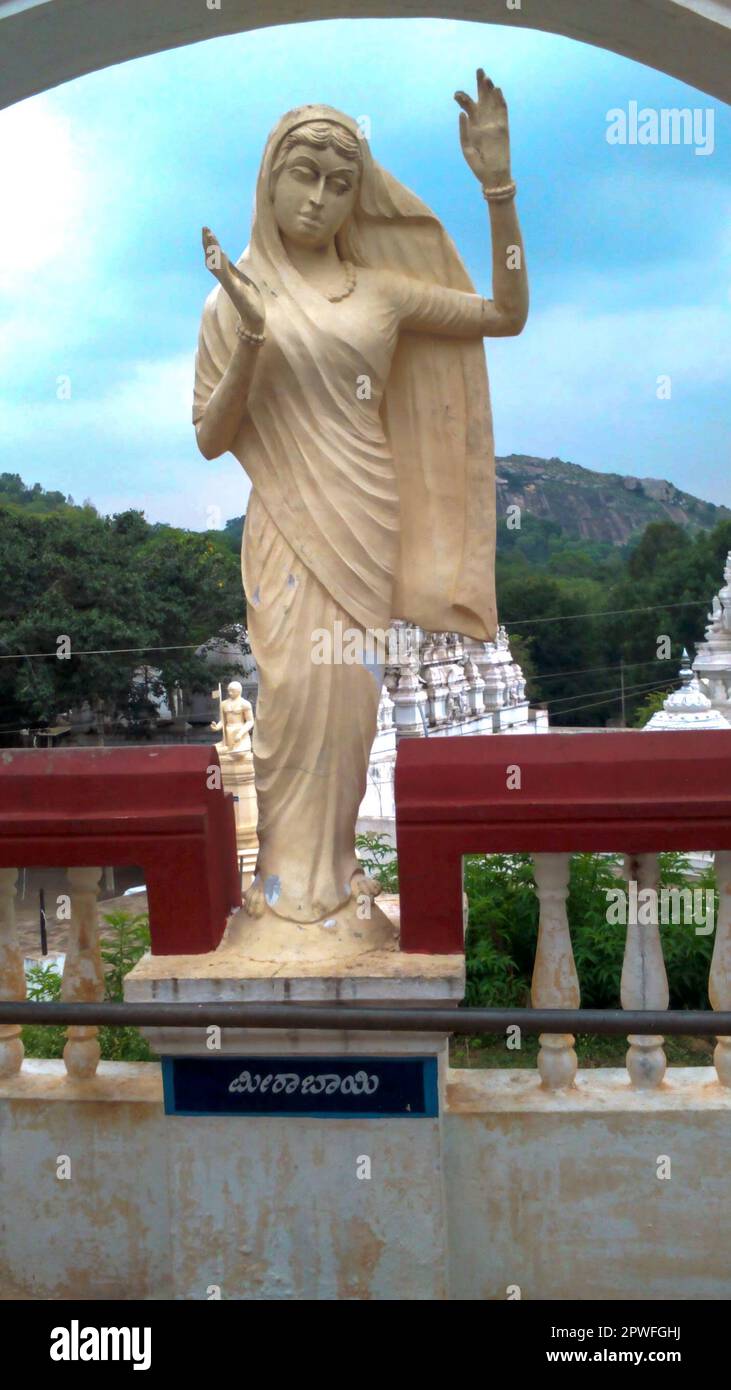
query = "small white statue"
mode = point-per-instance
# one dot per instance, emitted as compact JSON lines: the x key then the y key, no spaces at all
{"x":236,"y":722}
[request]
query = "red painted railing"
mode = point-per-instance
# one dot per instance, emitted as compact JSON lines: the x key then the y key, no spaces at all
{"x":623,"y":792}
{"x":161,"y":809}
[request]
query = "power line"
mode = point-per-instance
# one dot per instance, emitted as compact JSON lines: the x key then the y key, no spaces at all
{"x":575,"y":709}
{"x":105,"y":651}
{"x":522,"y":622}
{"x":585,"y":670}
{"x":608,"y":613}
{"x":612,"y":693}
{"x":617,"y":689}
{"x":608,"y":700}
{"x":608,"y":690}
{"x":533,"y":678}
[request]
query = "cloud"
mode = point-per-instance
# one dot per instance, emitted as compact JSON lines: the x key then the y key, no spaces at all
{"x":133,"y":446}
{"x":584,"y":386}
{"x":110,"y":178}
{"x":44,"y":190}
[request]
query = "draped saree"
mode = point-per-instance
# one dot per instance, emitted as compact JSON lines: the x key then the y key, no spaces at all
{"x":365,"y":506}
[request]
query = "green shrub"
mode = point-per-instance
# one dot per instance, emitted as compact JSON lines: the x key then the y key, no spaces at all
{"x":503,"y":931}
{"x":121,"y":948}
{"x":501,"y":944}
{"x":378,"y":858}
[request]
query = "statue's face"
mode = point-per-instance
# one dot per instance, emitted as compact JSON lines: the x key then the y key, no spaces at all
{"x":314,"y":193}
{"x":234,"y":689}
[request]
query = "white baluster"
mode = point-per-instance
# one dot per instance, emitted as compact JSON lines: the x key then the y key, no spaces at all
{"x":719,"y":983}
{"x":12,"y":974}
{"x":83,"y":975}
{"x":644,"y":979}
{"x":555,"y":984}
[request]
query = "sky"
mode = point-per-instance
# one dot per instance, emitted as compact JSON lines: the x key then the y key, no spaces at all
{"x":623,"y":366}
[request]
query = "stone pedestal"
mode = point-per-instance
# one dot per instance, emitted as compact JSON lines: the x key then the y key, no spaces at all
{"x":272,"y":1206}
{"x":238,"y":779}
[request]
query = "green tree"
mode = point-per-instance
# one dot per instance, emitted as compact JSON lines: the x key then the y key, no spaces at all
{"x":108,"y":584}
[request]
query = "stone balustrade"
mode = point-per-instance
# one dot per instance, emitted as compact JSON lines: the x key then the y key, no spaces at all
{"x":163,"y":809}
{"x":83,"y":974}
{"x":644,"y":981}
{"x":555,"y":983}
{"x":12,"y":974}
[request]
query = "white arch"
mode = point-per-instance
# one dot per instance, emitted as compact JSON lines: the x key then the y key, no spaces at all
{"x":45,"y":42}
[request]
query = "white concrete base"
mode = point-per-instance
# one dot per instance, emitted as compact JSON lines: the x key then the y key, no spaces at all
{"x":277,"y":1207}
{"x":557,"y":1193}
{"x":564,"y":1194}
{"x":376,"y":978}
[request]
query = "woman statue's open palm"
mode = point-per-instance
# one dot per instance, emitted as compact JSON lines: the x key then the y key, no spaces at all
{"x":243,"y":293}
{"x":483,"y":132}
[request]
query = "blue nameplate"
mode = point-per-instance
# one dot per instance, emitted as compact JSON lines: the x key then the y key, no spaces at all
{"x":319,"y":1087}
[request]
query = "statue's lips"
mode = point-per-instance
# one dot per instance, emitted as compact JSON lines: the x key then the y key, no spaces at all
{"x":310,"y":221}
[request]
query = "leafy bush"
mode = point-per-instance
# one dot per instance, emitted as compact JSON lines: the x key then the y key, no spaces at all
{"x":687,"y":956}
{"x":43,"y":983}
{"x":121,"y":948}
{"x":378,"y":857}
{"x":503,"y":931}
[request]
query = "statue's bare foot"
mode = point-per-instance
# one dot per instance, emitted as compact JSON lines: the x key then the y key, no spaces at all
{"x":254,"y":900}
{"x":362,"y":882}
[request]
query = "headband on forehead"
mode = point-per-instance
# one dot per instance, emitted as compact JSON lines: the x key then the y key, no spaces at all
{"x":306,"y":115}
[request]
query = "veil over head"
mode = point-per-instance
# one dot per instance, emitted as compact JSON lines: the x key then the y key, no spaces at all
{"x":435,"y":412}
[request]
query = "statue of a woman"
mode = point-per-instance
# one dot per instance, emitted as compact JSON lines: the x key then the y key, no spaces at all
{"x":341,"y":361}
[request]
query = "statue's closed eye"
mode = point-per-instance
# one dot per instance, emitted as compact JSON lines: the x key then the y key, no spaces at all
{"x":306,"y":173}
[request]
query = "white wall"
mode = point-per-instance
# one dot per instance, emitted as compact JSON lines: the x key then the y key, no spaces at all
{"x":559,"y":1195}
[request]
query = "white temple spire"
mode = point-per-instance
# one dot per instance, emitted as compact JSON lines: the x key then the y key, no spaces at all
{"x":713,"y":656}
{"x":688,"y":707}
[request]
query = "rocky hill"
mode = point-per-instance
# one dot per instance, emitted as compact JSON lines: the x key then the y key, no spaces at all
{"x":597,"y":506}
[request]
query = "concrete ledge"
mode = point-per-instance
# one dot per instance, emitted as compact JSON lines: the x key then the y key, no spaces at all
{"x":598,"y":1090}
{"x":379,"y":976}
{"x":229,"y":974}
{"x":45,"y":1078}
{"x":599,"y":1193}
{"x":562,"y":1194}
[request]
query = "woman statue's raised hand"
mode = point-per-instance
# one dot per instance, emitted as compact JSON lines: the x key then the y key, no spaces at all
{"x":242,"y":291}
{"x":483,"y":132}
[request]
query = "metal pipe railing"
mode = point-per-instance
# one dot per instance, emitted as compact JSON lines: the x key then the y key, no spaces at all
{"x":337,"y":1016}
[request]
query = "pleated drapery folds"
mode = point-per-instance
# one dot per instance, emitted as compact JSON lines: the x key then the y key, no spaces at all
{"x":315,"y":724}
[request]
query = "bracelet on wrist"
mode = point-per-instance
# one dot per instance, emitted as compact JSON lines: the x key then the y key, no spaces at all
{"x":248,"y":336}
{"x":500,"y":194}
